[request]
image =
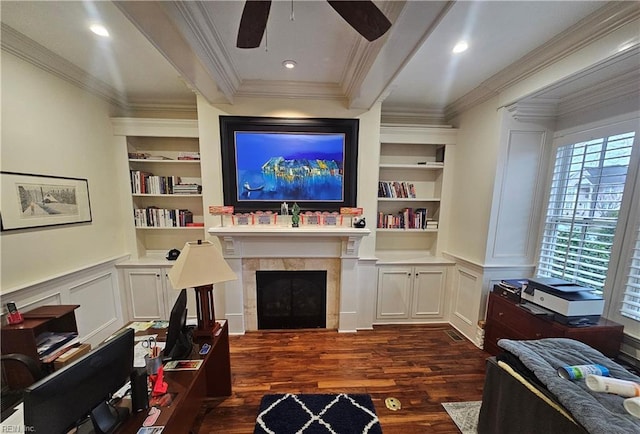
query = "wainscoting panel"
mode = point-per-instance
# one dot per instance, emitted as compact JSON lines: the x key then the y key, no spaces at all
{"x":95,"y":288}
{"x":466,"y":298}
{"x":99,"y":291}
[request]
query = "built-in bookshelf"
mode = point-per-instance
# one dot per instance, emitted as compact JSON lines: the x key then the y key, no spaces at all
{"x":411,"y":177}
{"x":165,"y":182}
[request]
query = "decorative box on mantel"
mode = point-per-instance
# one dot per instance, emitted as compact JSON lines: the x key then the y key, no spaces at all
{"x":306,"y":246}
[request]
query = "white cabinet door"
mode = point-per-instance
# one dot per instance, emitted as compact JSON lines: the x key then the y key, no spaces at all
{"x":394,"y":293}
{"x":428,"y":292}
{"x":172,"y":294}
{"x":145,"y":293}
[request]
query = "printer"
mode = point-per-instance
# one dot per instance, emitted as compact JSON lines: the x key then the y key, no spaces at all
{"x":571,"y":303}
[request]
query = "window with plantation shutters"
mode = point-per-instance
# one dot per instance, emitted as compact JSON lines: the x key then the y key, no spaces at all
{"x":631,"y":300}
{"x":586,"y":193}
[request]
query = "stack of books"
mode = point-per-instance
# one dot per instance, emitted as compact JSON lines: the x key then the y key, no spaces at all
{"x":187,"y":189}
{"x":189,"y":156}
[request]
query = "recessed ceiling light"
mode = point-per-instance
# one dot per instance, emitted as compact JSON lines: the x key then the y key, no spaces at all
{"x":99,"y":30}
{"x":289,"y":64}
{"x":460,"y":47}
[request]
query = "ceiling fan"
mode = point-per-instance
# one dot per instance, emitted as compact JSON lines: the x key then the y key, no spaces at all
{"x":363,"y":15}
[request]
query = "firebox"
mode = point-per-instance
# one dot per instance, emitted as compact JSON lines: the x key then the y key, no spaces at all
{"x":291,"y":299}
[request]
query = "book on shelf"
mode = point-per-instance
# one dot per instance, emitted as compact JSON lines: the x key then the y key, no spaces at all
{"x":187,"y":189}
{"x":189,"y":156}
{"x":161,"y":218}
{"x":147,"y":183}
{"x":396,"y":189}
{"x":407,"y":218}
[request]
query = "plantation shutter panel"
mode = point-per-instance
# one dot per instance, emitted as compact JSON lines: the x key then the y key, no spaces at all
{"x":631,"y":300}
{"x":584,"y":201}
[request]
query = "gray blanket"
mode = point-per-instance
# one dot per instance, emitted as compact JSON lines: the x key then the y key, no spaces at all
{"x":598,"y":413}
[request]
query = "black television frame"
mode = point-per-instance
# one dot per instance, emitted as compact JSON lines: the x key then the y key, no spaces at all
{"x":230,"y":125}
{"x":63,"y":400}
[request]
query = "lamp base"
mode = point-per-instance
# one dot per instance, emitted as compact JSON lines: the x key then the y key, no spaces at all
{"x":207,"y":325}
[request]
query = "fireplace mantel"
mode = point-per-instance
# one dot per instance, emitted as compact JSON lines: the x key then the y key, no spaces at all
{"x":280,"y":241}
{"x":306,"y":243}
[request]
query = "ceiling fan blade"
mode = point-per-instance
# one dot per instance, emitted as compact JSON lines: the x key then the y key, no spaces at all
{"x":363,"y":16}
{"x":253,"y":23}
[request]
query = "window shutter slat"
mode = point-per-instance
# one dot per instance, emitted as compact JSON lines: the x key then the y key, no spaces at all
{"x":631,"y":300}
{"x":582,"y":213}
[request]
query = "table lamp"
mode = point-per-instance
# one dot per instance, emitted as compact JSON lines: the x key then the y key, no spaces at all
{"x":199,"y":266}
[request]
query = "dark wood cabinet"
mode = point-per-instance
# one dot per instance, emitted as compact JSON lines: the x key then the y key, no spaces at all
{"x":21,"y":338}
{"x":506,"y":319}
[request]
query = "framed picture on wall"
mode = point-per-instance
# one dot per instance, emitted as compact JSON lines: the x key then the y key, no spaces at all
{"x":30,"y":201}
{"x":309,"y":161}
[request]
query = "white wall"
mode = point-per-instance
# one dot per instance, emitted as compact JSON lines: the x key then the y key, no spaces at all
{"x":475,"y":170}
{"x":51,"y":127}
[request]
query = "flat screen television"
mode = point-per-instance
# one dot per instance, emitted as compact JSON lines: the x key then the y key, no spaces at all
{"x":64,"y":399}
{"x":309,"y":161}
{"x":179,"y":342}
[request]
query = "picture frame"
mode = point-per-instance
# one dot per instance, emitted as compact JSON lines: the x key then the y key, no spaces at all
{"x":267,"y":161}
{"x":32,"y":201}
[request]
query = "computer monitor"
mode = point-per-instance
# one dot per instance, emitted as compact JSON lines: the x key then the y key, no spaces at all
{"x":179,"y":341}
{"x":65,"y":398}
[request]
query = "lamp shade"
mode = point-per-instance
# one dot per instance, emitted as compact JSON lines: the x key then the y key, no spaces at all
{"x":200,"y":264}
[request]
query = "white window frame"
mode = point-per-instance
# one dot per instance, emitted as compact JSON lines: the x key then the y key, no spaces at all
{"x":627,"y":234}
{"x":617,"y":273}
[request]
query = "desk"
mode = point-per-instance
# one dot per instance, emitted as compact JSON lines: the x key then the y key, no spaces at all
{"x":505,"y":319}
{"x":213,"y":379}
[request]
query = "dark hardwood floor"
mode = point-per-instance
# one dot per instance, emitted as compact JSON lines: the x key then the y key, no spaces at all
{"x":421,"y":365}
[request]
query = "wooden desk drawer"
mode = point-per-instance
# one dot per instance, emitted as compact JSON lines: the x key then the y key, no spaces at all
{"x":493,"y":333}
{"x":510,"y":316}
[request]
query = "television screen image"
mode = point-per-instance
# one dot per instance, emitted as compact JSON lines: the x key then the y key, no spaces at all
{"x":290,"y":167}
{"x":64,"y":399}
{"x":309,"y":161}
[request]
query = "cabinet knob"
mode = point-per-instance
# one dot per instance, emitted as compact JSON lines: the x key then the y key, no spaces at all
{"x":157,"y":275}
{"x":500,"y":313}
{"x":538,"y":335}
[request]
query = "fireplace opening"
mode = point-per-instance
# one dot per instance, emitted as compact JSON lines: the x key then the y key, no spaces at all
{"x":291,"y":299}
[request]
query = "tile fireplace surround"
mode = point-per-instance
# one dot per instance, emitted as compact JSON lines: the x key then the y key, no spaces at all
{"x":251,"y":248}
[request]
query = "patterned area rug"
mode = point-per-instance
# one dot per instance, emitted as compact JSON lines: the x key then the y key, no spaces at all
{"x":464,"y":414}
{"x":317,"y":414}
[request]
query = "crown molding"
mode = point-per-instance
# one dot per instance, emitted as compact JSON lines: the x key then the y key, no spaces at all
{"x":597,"y":25}
{"x":535,"y":110}
{"x":290,"y":89}
{"x":540,"y":108}
{"x":397,"y":115}
{"x":128,"y":126}
{"x":30,"y":51}
{"x":158,"y":22}
{"x":622,"y":86}
{"x":414,"y":133}
{"x":364,"y":54}
{"x":197,"y":26}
